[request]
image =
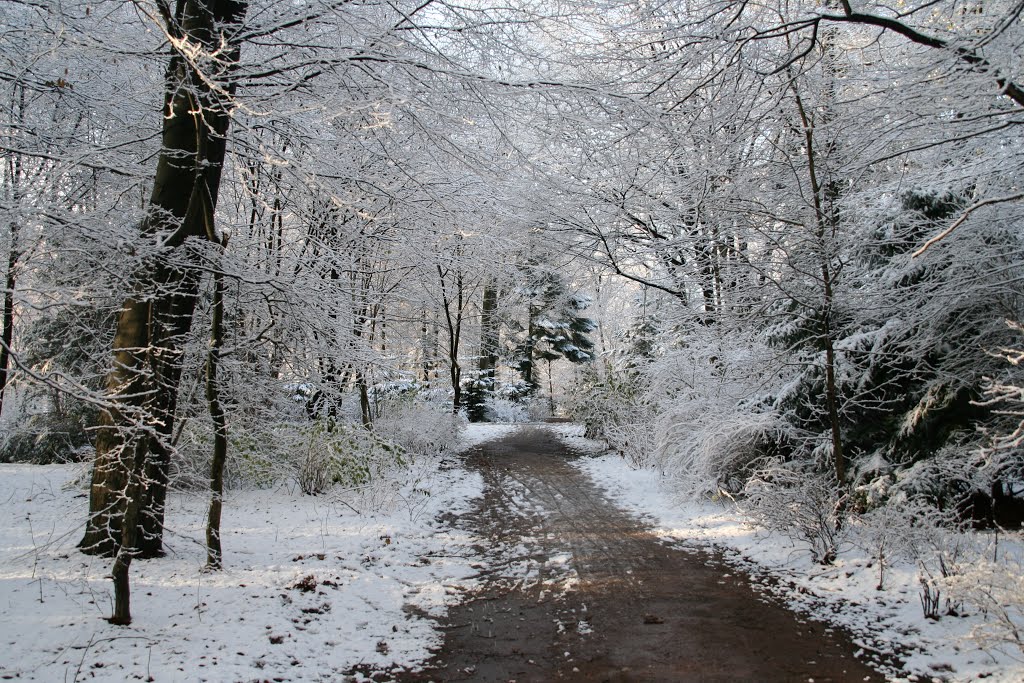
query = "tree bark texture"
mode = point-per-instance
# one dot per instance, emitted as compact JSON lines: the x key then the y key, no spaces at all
{"x":526,"y":364}
{"x":7,"y":337}
{"x":132,"y":449}
{"x":454,"y":322}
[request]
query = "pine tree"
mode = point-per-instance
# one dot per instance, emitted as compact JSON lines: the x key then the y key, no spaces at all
{"x":556,"y":326}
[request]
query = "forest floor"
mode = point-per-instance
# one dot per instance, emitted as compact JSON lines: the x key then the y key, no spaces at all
{"x":577,"y":589}
{"x":518,"y":559}
{"x":313,"y":586}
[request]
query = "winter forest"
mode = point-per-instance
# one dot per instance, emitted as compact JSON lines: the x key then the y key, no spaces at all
{"x":265,"y":258}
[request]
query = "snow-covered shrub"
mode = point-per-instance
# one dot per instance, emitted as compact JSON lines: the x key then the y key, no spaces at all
{"x":634,"y":441}
{"x":315,"y":454}
{"x":895,"y":526}
{"x":711,"y":456}
{"x":344,"y":454}
{"x":498,"y":409}
{"x":996,"y":588}
{"x":711,"y":430}
{"x":539,"y":408}
{"x":800,"y":503}
{"x":420,"y":428}
{"x":600,"y":399}
{"x":951,"y":554}
{"x":610,"y":414}
{"x":946,"y":479}
{"x":259,"y":457}
{"x":613,"y":408}
{"x":314,"y":475}
{"x":260,"y":454}
{"x":476,"y":389}
{"x":50,"y":437}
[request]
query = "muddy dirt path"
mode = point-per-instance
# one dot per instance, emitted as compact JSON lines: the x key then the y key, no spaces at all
{"x":578,"y":590}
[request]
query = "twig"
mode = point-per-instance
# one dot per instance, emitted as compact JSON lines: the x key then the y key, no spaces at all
{"x":93,"y":641}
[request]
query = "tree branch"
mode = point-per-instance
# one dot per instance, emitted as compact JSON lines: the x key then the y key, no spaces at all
{"x":963,"y":217}
{"x":966,"y":54}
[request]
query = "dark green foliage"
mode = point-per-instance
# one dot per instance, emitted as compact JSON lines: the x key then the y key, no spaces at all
{"x":74,"y":341}
{"x":51,"y":437}
{"x":556,"y":327}
{"x":476,"y":392}
{"x":910,"y":342}
{"x":920,"y":213}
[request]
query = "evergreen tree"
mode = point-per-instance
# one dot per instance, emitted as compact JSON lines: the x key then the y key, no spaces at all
{"x":556,"y":326}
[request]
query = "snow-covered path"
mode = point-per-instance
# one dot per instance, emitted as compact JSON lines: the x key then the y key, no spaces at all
{"x":579,"y":590}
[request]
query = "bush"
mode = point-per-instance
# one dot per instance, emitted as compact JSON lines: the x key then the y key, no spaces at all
{"x":604,"y":404}
{"x":47,"y":438}
{"x":344,"y":454}
{"x":634,"y":441}
{"x":951,"y":555}
{"x":420,"y":428}
{"x":895,"y":526}
{"x":802,"y":504}
{"x":476,"y":392}
{"x":259,"y":454}
{"x":497,"y":409}
{"x":714,"y":456}
{"x":996,"y":588}
{"x":313,"y":454}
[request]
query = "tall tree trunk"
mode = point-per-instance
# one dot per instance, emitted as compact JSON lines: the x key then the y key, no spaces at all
{"x":143,"y":381}
{"x":825,"y":227}
{"x":526,"y":362}
{"x":488,"y":336}
{"x":365,"y":410}
{"x":487,"y":364}
{"x":482,"y":386}
{"x":704,"y":258}
{"x":7,"y":335}
{"x":454,"y":323}
{"x":551,"y":391}
{"x":214,"y":553}
{"x":134,"y":463}
{"x":14,"y":171}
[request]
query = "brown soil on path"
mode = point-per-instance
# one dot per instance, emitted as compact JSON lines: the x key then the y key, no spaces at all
{"x":578,"y":590}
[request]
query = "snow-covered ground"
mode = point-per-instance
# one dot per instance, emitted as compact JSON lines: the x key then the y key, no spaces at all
{"x":378,"y":578}
{"x":478,"y":432}
{"x":883,"y":622}
{"x":311,"y":589}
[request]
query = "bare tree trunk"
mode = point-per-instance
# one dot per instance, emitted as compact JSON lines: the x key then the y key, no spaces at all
{"x":126,"y":552}
{"x":454,"y":323}
{"x":14,"y":171}
{"x":825,"y":226}
{"x":214,"y":553}
{"x":7,"y":336}
{"x":364,"y":400}
{"x":488,"y":335}
{"x":527,"y":362}
{"x":551,"y":391}
{"x":142,"y":384}
{"x":483,"y":386}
